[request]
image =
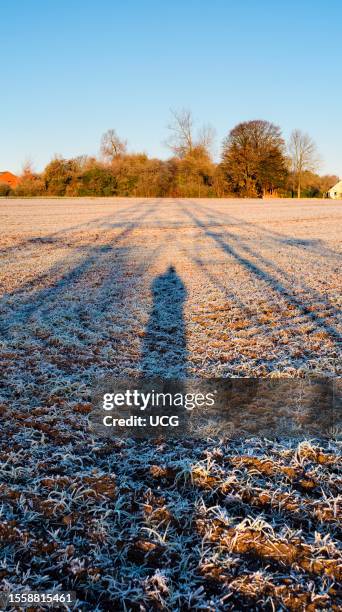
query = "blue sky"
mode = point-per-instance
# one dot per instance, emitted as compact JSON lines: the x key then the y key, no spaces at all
{"x":72,"y":69}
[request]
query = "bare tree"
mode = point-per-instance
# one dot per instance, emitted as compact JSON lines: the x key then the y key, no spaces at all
{"x":206,"y":137}
{"x":181,"y":140}
{"x":303,"y":156}
{"x":28,"y":167}
{"x":111,"y":145}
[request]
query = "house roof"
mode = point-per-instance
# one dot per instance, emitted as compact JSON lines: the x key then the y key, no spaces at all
{"x":337,"y":187}
{"x":9,"y":178}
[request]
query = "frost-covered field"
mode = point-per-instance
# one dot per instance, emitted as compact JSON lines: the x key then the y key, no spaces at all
{"x":171,"y":288}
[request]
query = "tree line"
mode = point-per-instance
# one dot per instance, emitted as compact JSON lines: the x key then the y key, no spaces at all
{"x":255,"y":162}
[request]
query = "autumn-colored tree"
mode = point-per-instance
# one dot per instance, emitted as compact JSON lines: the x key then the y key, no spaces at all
{"x":60,"y":175}
{"x":137,"y":175}
{"x":313,"y":185}
{"x":96,"y":179}
{"x":253,"y":164}
{"x":30,"y":182}
{"x":326,"y":182}
{"x":195,"y":173}
{"x":253,"y":158}
{"x":5,"y":190}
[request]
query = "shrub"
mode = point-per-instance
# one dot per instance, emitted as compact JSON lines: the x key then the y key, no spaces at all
{"x":5,"y":190}
{"x":30,"y":185}
{"x":97,"y":181}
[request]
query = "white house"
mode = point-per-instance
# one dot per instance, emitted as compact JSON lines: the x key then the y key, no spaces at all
{"x":336,"y":191}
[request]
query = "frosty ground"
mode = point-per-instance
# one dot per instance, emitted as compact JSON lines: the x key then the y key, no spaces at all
{"x":171,"y":288}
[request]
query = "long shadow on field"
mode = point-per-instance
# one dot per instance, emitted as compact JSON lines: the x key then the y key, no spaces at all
{"x":164,"y":351}
{"x":270,"y":236}
{"x":54,"y":284}
{"x":273,"y":276}
{"x":62,"y":237}
{"x":76,"y":318}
